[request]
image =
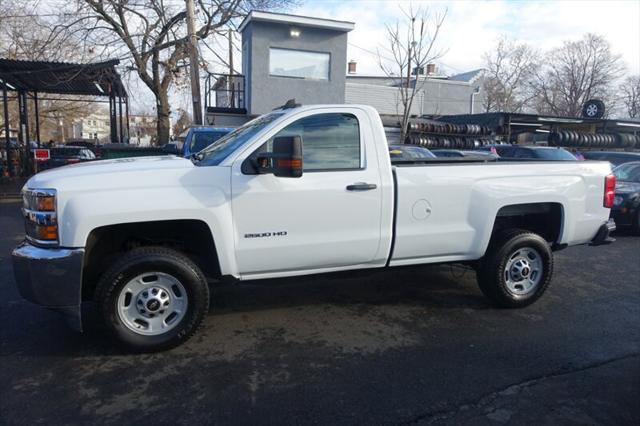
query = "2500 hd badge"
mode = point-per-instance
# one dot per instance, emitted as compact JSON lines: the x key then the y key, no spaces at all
{"x":266,"y":234}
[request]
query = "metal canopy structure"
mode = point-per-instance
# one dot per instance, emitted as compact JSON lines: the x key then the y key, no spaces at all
{"x":97,"y":79}
{"x":29,"y":78}
{"x":508,"y":124}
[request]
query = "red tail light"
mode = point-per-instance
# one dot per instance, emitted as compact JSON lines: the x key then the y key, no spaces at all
{"x":609,"y":190}
{"x":72,"y":160}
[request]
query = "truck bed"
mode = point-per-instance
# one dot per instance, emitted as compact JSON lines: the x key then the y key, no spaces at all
{"x":446,"y":213}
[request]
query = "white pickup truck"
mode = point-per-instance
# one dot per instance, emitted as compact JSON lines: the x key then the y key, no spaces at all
{"x":301,"y":190}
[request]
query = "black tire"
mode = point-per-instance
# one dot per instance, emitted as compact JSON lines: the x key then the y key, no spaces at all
{"x":491,"y":271}
{"x":593,"y":108}
{"x":148,"y":260}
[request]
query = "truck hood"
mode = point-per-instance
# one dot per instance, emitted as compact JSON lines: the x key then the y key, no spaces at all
{"x":109,"y":173}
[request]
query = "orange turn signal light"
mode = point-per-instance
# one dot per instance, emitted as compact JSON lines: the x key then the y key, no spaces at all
{"x":46,"y":232}
{"x":290,"y":163}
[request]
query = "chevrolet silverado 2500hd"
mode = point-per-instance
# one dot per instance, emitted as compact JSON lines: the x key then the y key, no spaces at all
{"x":298,"y":191}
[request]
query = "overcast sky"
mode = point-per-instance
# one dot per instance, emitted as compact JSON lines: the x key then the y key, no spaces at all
{"x":471,"y":27}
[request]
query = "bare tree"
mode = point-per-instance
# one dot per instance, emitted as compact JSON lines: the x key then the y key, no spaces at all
{"x":151,"y":34}
{"x":182,"y":123}
{"x":412,"y":45}
{"x":574,"y":73}
{"x":630,"y":91}
{"x":509,"y":68}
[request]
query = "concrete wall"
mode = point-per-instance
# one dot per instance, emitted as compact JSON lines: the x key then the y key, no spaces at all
{"x":386,"y":100}
{"x":442,"y":97}
{"x":265,"y":92}
{"x":436,"y":97}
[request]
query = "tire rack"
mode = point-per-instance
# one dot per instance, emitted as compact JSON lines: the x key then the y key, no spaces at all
{"x":435,"y":134}
{"x":573,"y":139}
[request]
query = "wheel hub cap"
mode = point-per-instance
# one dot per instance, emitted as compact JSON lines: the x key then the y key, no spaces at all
{"x":523,"y":271}
{"x":152,"y":303}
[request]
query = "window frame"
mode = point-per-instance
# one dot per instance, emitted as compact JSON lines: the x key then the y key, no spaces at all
{"x":361,"y":145}
{"x":302,"y":51}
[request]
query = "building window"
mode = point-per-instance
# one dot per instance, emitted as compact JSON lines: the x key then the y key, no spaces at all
{"x":330,"y":141}
{"x":299,"y":64}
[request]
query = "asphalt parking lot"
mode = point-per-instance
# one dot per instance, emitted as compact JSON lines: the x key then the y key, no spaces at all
{"x":407,"y":346}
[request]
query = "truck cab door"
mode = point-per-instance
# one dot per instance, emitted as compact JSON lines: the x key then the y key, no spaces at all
{"x":327,"y":219}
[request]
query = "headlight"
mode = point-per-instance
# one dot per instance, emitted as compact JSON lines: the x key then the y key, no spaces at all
{"x":618,"y":200}
{"x":41,"y":221}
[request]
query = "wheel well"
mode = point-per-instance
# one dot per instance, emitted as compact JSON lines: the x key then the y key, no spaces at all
{"x":191,"y":237}
{"x":544,"y":219}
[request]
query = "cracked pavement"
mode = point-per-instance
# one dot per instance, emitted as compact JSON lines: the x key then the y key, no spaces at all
{"x":405,"y":346}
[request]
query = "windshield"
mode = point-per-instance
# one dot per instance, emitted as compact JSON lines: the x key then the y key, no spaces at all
{"x":215,"y":153}
{"x":629,"y":172}
{"x":554,"y":154}
{"x":201,"y":140}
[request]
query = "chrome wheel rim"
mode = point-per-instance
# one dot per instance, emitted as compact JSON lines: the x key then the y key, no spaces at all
{"x":523,"y":271}
{"x":152,"y":303}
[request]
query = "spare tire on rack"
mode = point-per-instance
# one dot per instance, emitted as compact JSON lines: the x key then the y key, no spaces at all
{"x":593,"y":108}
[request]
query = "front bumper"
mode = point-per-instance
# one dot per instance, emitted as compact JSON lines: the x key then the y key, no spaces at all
{"x":51,"y":277}
{"x":604,"y":234}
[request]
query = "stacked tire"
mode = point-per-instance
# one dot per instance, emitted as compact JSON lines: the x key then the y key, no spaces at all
{"x":441,"y":128}
{"x":429,"y":141}
{"x":570,"y":138}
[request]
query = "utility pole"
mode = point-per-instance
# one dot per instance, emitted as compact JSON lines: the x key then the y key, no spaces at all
{"x":194,"y":63}
{"x":231,"y":80}
{"x":230,"y":35}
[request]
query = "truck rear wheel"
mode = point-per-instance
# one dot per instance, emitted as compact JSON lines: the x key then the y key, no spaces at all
{"x":516,"y":269}
{"x":153,"y":298}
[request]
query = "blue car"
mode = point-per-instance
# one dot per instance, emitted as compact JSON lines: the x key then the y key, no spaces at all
{"x":198,"y":138}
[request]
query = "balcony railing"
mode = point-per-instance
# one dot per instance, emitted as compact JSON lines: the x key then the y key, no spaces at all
{"x":224,"y":92}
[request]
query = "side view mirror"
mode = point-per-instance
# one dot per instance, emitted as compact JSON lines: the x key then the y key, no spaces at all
{"x":285,"y":160}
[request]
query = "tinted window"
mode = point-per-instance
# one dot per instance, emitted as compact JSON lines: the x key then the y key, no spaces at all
{"x":556,"y":154}
{"x":629,"y":172}
{"x":215,"y":153}
{"x":201,"y":140}
{"x":504,"y":151}
{"x":522,"y":153}
{"x":409,"y":152}
{"x":447,"y":154}
{"x":329,"y":141}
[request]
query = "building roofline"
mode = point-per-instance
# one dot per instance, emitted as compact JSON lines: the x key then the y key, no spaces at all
{"x":302,"y":21}
{"x":353,"y":77}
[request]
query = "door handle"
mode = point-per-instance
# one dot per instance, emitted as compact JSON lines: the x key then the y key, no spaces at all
{"x":361,"y":186}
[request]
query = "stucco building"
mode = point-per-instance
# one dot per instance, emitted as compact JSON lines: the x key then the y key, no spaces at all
{"x":289,"y":56}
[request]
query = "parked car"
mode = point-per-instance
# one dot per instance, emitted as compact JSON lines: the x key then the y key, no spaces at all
{"x":297,"y":191}
{"x":409,"y":152}
{"x":455,"y":153}
{"x":62,"y":156}
{"x":198,"y":138}
{"x":91,"y":145}
{"x":171,"y":148}
{"x":546,"y":153}
{"x":626,"y":206}
{"x":615,"y":158}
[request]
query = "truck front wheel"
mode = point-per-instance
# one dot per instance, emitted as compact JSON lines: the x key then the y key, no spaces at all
{"x":153,"y":298}
{"x":516,"y":269}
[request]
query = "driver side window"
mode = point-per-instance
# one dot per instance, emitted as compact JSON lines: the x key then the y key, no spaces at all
{"x":330,"y":141}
